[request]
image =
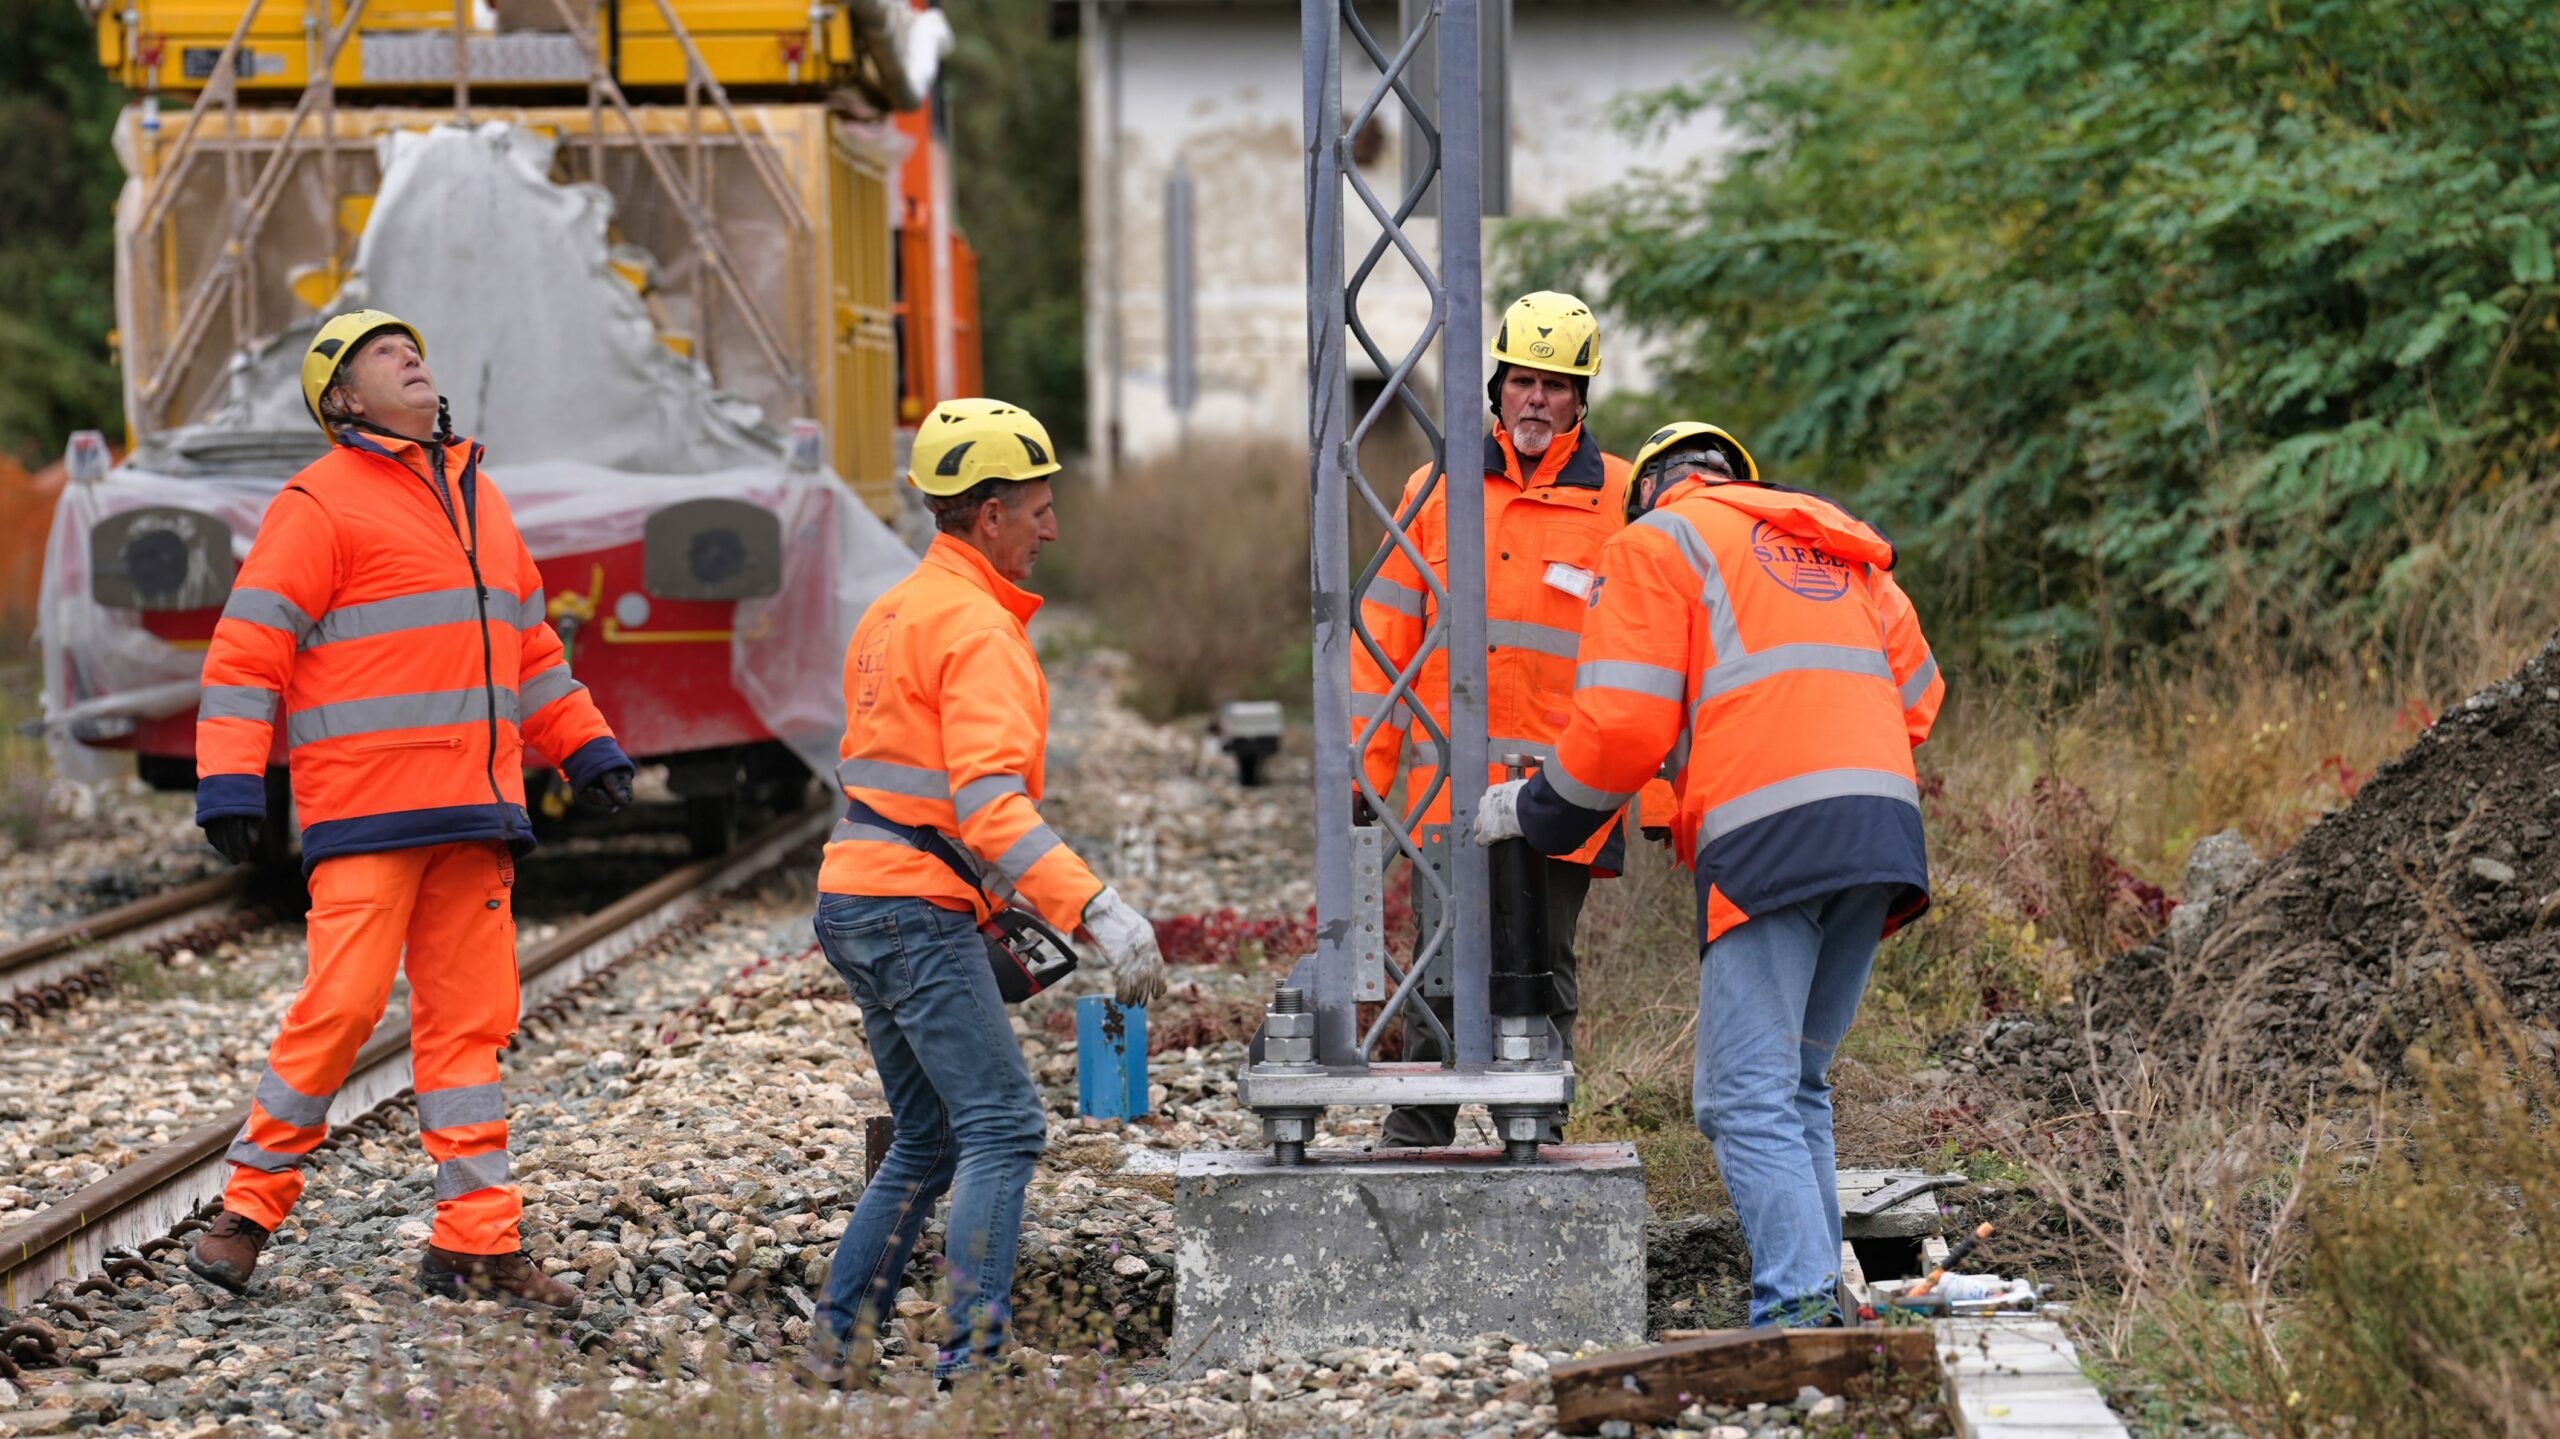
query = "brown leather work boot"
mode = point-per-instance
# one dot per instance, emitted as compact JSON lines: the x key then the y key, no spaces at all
{"x":509,"y":1277}
{"x":227,"y":1250}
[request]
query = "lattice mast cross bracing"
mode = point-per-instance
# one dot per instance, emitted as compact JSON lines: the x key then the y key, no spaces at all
{"x":1335,"y":1065}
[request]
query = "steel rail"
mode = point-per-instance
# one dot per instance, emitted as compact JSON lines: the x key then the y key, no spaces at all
{"x":59,"y":958}
{"x":145,"y":1199}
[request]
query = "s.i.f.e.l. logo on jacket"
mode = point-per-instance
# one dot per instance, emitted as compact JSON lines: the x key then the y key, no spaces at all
{"x":1813,"y":573}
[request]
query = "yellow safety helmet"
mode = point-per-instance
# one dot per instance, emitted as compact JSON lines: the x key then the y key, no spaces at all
{"x":336,"y":341}
{"x":1684,"y":437}
{"x":1549,"y":330}
{"x":964,"y":443}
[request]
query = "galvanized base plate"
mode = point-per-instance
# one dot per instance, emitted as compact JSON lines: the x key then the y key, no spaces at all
{"x":1398,"y":1085}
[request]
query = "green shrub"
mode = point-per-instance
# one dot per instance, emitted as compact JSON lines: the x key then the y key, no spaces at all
{"x":2119,"y":314}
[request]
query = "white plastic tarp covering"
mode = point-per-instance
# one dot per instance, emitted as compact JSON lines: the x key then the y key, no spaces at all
{"x":543,"y":352}
{"x":549,"y":359}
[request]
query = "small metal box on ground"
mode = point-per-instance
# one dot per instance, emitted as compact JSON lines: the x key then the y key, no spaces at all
{"x":1111,"y":1059}
{"x":1425,"y":1248}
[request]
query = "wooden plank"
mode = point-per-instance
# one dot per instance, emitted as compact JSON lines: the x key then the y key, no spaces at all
{"x":1744,"y":1366}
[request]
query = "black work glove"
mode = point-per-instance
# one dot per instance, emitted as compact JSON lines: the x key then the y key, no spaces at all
{"x":1658,"y":833}
{"x":235,"y":836}
{"x":607,"y":793}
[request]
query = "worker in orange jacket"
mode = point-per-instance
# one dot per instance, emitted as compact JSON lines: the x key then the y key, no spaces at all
{"x":1753,"y":636}
{"x":1551,"y":496}
{"x":943,"y":768}
{"x":391,"y":609}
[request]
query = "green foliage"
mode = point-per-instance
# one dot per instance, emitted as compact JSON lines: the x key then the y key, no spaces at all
{"x":1016,"y":140}
{"x":2121,"y":314}
{"x":57,"y":198}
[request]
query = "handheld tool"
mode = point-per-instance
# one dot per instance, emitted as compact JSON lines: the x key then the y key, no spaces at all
{"x":1955,"y":1256}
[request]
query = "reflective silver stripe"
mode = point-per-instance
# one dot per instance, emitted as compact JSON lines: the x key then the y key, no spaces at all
{"x":1916,"y":688}
{"x":1404,"y":599}
{"x":1635,"y":677}
{"x":1727,"y":675}
{"x":246,"y":702}
{"x":463,"y":1104}
{"x":1678,"y":763}
{"x":848,"y":829}
{"x":347,"y":718}
{"x":291,"y":1105}
{"x":1019,"y":856}
{"x":406,"y":612}
{"x":1723,"y":630}
{"x":530,"y":611}
{"x":547,"y":685}
{"x":1578,"y":794}
{"x":978,"y":793}
{"x":470,"y":1174}
{"x":266,"y":607}
{"x":1545,"y":639}
{"x":912,"y":781}
{"x":1805,"y":789}
{"x":250,"y":1156}
{"x":1496,"y":746}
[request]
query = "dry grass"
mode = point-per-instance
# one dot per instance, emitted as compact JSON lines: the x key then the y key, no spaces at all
{"x":27,"y":817}
{"x":1197,"y":569}
{"x":2390,"y":1264}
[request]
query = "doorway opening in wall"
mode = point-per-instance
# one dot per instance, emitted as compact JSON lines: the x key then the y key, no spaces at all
{"x":1389,"y":453}
{"x":1396,"y":446}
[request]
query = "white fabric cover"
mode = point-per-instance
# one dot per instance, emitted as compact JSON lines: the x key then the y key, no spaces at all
{"x":549,"y":359}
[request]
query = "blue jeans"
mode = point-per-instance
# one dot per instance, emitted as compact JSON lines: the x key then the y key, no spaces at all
{"x":1775,"y":995}
{"x":968,"y":1119}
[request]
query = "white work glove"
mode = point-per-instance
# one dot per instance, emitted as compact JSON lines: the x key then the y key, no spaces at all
{"x":1128,"y":940}
{"x":1498,"y":813}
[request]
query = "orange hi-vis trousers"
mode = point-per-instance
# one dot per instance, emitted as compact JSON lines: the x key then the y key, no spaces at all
{"x":451,"y":907}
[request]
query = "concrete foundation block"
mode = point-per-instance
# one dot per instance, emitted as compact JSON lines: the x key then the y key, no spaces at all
{"x":1426,"y":1248}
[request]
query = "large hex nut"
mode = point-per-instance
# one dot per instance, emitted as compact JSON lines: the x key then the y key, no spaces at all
{"x":1296,"y":1049}
{"x":1288,"y":1129}
{"x":1289,"y":1026}
{"x":1518,"y":1128}
{"x":1515,"y":1049}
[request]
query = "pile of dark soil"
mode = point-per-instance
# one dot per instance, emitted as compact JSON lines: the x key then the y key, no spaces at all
{"x":2345,"y":949}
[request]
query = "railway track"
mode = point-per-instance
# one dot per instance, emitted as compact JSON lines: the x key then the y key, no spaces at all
{"x":61,"y":966}
{"x":145,"y":1209}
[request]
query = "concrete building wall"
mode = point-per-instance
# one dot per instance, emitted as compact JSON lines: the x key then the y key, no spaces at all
{"x":1211,"y":92}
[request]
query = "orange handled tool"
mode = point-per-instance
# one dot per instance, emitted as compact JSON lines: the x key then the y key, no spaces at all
{"x":1964,"y":1247}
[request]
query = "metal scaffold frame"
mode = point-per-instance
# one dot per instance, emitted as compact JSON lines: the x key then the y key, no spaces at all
{"x":247,"y":206}
{"x":1315,"y":1054}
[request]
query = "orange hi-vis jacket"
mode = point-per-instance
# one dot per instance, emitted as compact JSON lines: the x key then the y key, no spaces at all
{"x":946,"y":725}
{"x":1752,"y":635}
{"x":390,"y":604}
{"x":1543,"y":533}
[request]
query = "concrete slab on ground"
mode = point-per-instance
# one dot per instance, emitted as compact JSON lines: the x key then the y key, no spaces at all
{"x":1427,"y":1248}
{"x":1910,"y":1219}
{"x":2019,"y":1377}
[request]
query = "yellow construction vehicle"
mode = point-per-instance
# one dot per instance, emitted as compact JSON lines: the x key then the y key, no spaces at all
{"x":767,"y":163}
{"x":686,"y":267}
